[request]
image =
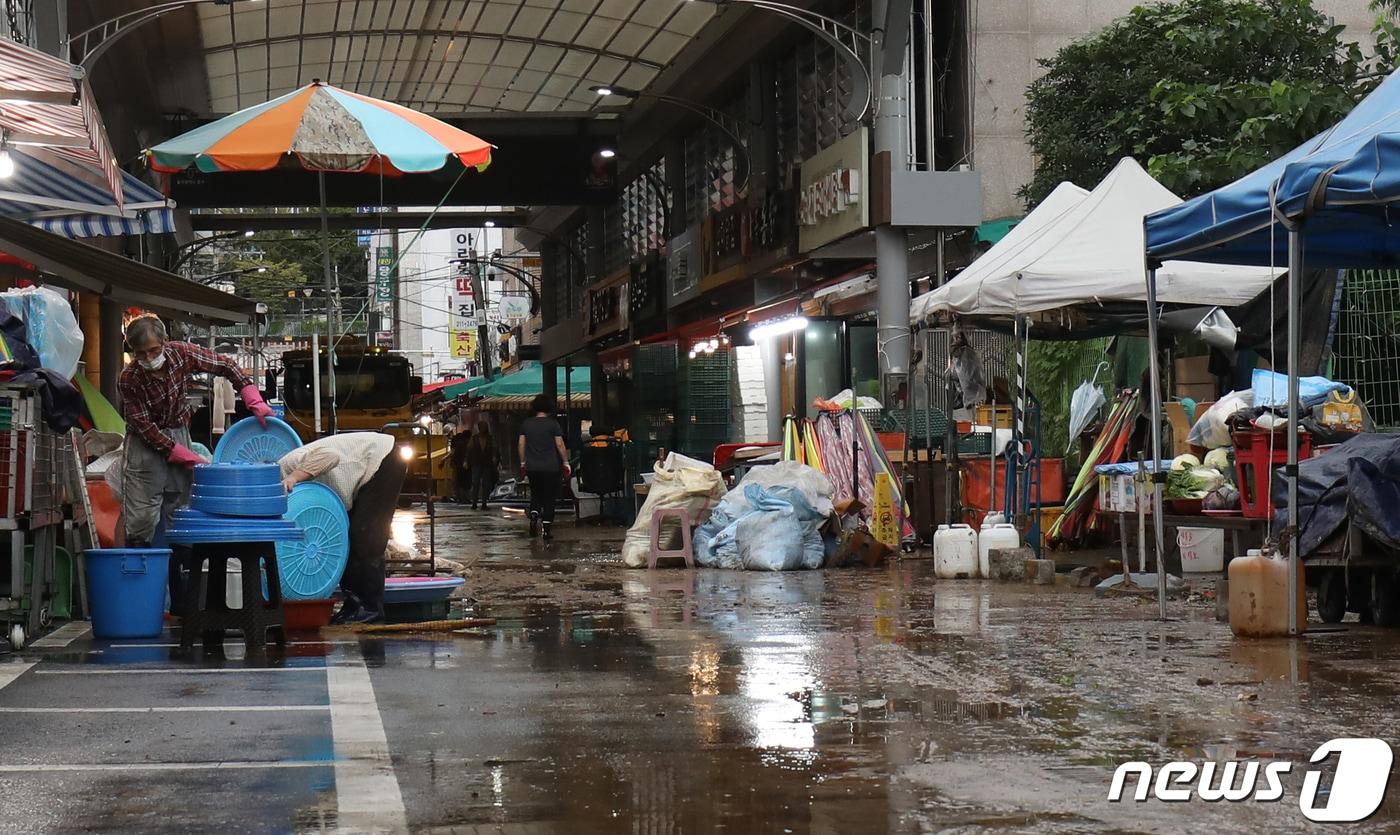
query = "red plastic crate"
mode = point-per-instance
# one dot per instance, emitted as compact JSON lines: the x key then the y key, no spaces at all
{"x":1254,"y":461}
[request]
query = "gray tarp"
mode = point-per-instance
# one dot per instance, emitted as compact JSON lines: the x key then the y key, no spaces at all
{"x":1359,"y":480}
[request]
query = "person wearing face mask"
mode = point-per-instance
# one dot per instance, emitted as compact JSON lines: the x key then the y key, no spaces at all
{"x":153,"y":387}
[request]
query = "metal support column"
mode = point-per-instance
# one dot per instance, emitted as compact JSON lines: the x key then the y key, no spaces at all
{"x":1295,"y":272}
{"x":1154,"y":418}
{"x":891,"y":43}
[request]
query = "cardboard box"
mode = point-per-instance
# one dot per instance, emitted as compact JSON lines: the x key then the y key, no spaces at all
{"x":1191,"y":376}
{"x":1118,"y":493}
{"x":1192,"y":370}
{"x":1181,"y":424}
{"x":1199,"y":392}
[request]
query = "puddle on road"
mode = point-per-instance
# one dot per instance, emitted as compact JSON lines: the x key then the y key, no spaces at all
{"x":862,"y":700}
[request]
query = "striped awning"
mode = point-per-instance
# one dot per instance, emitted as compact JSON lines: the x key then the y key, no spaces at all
{"x":51,"y":195}
{"x":521,"y":402}
{"x":49,"y":104}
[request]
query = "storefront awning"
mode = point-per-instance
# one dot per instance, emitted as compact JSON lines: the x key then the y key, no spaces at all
{"x":51,"y":195}
{"x":49,"y":104}
{"x":79,"y":266}
{"x":521,"y":403}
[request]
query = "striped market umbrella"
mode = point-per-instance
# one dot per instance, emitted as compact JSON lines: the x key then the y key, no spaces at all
{"x":323,"y":128}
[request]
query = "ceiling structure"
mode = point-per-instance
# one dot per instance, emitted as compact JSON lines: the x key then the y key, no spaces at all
{"x":444,"y":56}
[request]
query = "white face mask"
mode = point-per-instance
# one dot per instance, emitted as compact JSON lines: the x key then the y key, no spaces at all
{"x":155,"y":364}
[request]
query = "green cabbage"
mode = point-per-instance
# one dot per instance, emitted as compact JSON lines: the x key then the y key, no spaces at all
{"x":1194,"y":483}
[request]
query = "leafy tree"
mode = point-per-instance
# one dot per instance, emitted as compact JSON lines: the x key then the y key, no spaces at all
{"x":1200,"y":92}
{"x":268,"y":282}
{"x":304,"y":249}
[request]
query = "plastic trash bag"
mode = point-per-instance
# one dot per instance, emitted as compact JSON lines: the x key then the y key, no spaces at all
{"x":1271,"y":389}
{"x":1082,"y":407}
{"x":1212,"y":429}
{"x":770,"y":541}
{"x":813,"y":484}
{"x":763,"y":529}
{"x":52,"y":328}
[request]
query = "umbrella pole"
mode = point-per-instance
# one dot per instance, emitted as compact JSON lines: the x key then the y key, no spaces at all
{"x":332,"y":326}
{"x":1155,"y":419}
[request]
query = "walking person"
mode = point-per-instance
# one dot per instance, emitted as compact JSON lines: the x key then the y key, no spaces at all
{"x":157,"y":459}
{"x":484,"y":462}
{"x":461,"y":469}
{"x":544,"y":461}
{"x":366,"y":473}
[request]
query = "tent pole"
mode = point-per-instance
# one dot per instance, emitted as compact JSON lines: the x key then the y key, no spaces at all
{"x":1295,"y":272}
{"x":1155,"y":419}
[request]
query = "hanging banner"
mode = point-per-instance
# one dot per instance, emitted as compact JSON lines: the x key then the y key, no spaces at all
{"x":463,"y":345}
{"x":462,"y":301}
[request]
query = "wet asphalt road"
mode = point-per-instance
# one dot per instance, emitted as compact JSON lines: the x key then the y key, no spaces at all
{"x":609,"y":700}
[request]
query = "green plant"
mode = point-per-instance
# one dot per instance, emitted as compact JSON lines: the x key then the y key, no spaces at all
{"x":1053,"y":371}
{"x":1200,"y":92}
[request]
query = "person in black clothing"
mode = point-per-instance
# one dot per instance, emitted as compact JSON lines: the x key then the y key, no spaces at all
{"x":461,"y":469}
{"x":544,"y":461}
{"x":482,"y":460}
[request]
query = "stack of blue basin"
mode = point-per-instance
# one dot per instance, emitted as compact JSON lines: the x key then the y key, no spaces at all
{"x":234,"y":503}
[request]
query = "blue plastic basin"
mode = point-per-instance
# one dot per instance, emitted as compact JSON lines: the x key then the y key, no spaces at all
{"x":253,"y":506}
{"x":255,"y":491}
{"x":248,"y":442}
{"x":236,"y":475}
{"x":127,"y":591}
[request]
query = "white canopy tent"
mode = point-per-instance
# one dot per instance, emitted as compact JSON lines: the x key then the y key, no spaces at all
{"x":1083,"y":249}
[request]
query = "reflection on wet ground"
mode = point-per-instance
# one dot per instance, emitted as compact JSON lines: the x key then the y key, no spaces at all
{"x":863,"y":700}
{"x":872,"y":700}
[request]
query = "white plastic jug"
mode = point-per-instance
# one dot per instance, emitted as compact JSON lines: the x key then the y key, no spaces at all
{"x":993,"y":519}
{"x":997,"y":536}
{"x":955,"y":552}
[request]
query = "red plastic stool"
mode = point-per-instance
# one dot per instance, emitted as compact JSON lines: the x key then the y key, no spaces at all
{"x":686,"y":553}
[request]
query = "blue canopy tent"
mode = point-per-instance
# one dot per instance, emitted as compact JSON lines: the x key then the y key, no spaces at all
{"x":1326,"y":203}
{"x":54,"y":197}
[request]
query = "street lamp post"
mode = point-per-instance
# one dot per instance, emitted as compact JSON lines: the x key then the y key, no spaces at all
{"x":847,"y":41}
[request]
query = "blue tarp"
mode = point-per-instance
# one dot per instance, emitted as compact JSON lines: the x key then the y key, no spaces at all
{"x":1235,"y":223}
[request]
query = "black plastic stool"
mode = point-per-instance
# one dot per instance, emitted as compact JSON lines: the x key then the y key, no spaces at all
{"x":257,"y":615}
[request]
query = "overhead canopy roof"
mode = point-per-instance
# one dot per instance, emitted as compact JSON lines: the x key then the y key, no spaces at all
{"x":83,"y":267}
{"x":1087,"y":250}
{"x":1345,"y":179}
{"x":442,"y":57}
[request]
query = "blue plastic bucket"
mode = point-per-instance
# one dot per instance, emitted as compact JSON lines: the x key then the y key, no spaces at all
{"x":127,"y":591}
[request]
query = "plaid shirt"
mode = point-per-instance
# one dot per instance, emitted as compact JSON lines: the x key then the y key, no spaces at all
{"x":154,"y":401}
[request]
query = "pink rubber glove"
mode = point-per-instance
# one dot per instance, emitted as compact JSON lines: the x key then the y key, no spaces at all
{"x":181,"y":454}
{"x":252,"y":398}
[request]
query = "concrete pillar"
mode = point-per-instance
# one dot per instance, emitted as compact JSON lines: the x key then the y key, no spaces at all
{"x":110,"y":340}
{"x":772,"y":349}
{"x":891,"y":243}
